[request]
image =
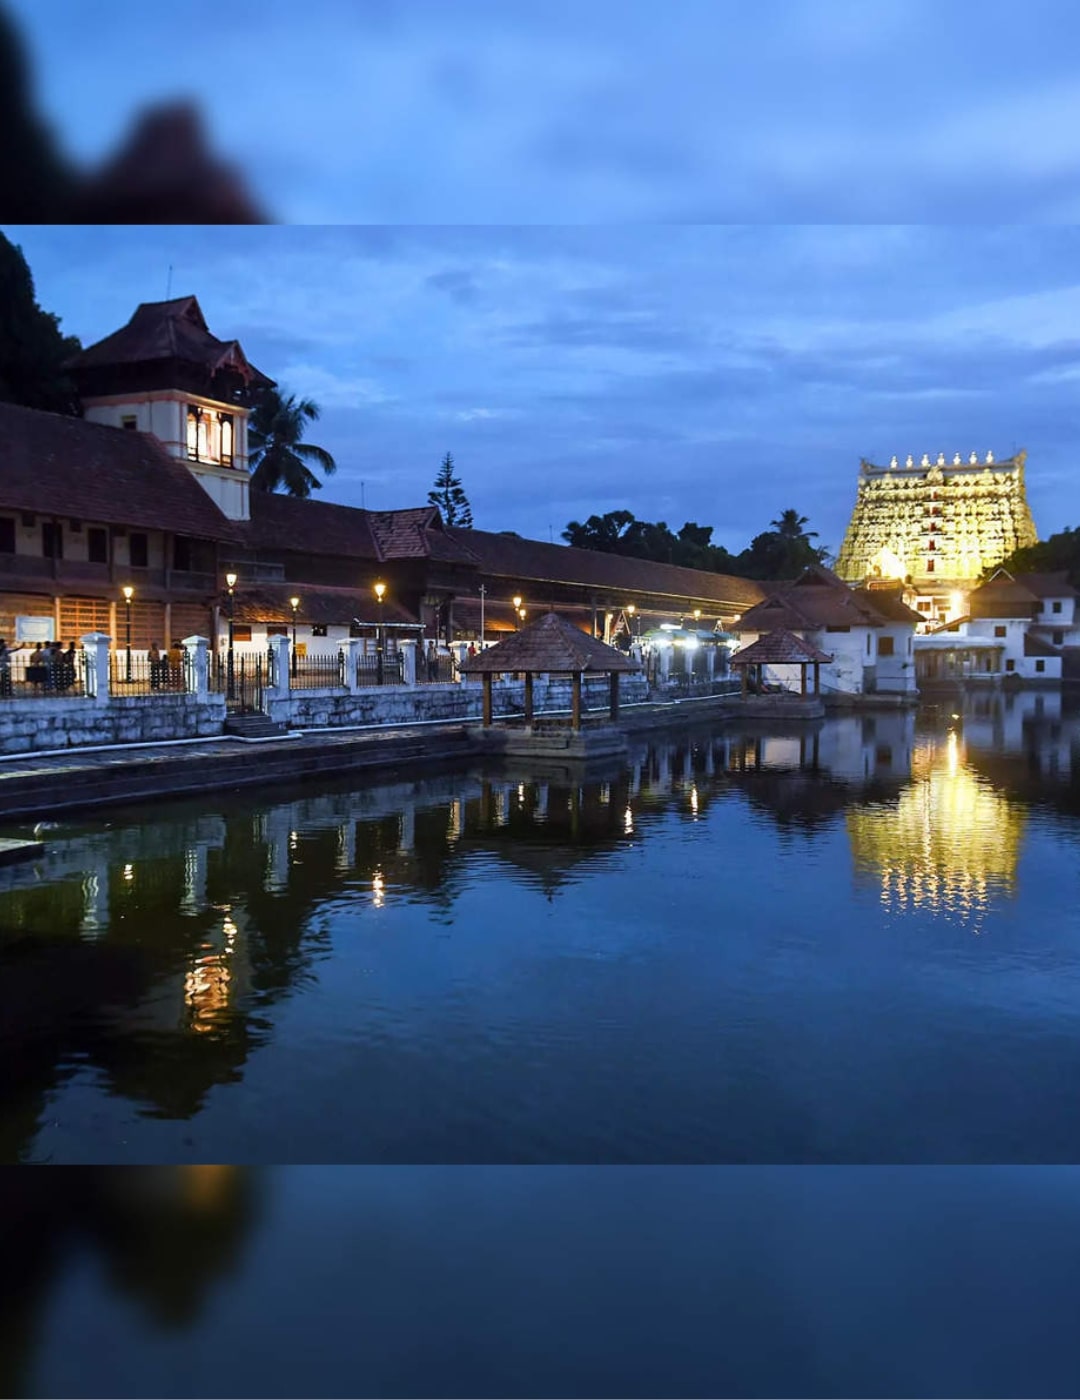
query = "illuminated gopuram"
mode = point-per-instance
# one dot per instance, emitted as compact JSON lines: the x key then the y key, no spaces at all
{"x":936,"y":526}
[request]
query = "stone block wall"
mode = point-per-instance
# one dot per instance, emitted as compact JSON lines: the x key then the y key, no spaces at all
{"x":402,"y":704}
{"x":30,"y":726}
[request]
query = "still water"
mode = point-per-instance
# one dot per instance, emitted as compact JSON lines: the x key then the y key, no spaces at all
{"x":545,"y":1281}
{"x":855,"y":945}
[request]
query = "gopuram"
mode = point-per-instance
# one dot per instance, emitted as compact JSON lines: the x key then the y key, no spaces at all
{"x":935,"y":527}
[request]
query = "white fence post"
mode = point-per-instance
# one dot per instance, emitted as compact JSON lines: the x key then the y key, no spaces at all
{"x":354,"y":649}
{"x":95,"y":647}
{"x":279,"y":650}
{"x":408,"y":661}
{"x":198,"y":667}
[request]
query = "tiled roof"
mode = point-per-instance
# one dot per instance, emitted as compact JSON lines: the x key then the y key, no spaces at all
{"x":515,"y":558}
{"x":269,"y":602}
{"x":779,"y":648}
{"x":167,"y":330}
{"x":1003,"y":588}
{"x":54,"y":465}
{"x":1035,"y":646}
{"x":416,"y":533}
{"x":818,"y":598}
{"x":1054,"y":585}
{"x":309,"y":527}
{"x":550,"y":644}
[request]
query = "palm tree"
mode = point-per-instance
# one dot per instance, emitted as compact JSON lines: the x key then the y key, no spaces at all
{"x":277,"y":454}
{"x":790,"y":526}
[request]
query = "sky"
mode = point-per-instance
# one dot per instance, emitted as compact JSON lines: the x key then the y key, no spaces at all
{"x":712,"y":373}
{"x":503,"y":111}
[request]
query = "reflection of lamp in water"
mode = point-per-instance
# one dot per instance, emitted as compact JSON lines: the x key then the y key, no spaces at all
{"x":378,"y":890}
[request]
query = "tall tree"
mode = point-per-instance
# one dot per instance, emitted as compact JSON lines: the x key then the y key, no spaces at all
{"x":1049,"y":556}
{"x":450,"y":497}
{"x":790,"y":526}
{"x":32,"y":347}
{"x":782,"y":552}
{"x":279,"y":456}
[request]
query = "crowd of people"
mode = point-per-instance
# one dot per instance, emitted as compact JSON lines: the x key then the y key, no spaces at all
{"x":52,"y":667}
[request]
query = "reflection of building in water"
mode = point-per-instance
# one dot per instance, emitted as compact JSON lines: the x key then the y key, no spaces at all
{"x":950,"y":843}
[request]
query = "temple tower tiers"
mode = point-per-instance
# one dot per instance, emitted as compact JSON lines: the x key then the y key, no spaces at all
{"x":165,"y":373}
{"x":935,"y":524}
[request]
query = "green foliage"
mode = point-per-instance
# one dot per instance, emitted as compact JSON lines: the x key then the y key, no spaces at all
{"x":449,"y":496}
{"x":782,"y":552}
{"x":32,"y":348}
{"x":1050,"y":556}
{"x":279,"y":456}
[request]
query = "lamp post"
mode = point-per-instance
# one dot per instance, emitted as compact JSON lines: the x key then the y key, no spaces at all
{"x":230,"y":688}
{"x":517,"y":604}
{"x":697,"y":614}
{"x":631,"y":610}
{"x":521,"y":614}
{"x":128,"y":593}
{"x":483,"y":595}
{"x":294,"y":603}
{"x":380,"y":589}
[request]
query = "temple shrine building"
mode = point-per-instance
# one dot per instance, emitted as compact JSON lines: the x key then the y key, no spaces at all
{"x":936,"y":527}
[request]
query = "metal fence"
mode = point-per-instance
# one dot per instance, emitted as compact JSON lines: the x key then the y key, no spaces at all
{"x":51,"y":675}
{"x":317,"y":672}
{"x":141,"y":675}
{"x":435,"y":670}
{"x":384,"y":670}
{"x":243,"y":684}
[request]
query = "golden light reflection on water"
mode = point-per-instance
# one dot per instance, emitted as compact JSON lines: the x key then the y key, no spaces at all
{"x":950,"y":844}
{"x":208,"y":983}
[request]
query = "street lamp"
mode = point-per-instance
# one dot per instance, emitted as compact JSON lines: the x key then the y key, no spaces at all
{"x":521,"y":614}
{"x":230,"y":584}
{"x":517,"y":603}
{"x":128,"y":593}
{"x":631,"y":610}
{"x":380,"y":589}
{"x":294,"y":603}
{"x":697,"y":614}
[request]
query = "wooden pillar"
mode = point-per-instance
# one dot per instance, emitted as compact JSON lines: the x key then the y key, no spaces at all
{"x":817,"y":678}
{"x":575,"y":703}
{"x":487,"y":700}
{"x":613,"y":681}
{"x":528,"y":699}
{"x":745,"y":679}
{"x":802,"y":679}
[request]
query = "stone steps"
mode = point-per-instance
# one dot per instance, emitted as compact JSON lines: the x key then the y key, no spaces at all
{"x":254,"y":726}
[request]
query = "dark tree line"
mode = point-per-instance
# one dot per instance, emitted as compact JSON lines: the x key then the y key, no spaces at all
{"x":780,"y":552}
{"x":1052,"y":555}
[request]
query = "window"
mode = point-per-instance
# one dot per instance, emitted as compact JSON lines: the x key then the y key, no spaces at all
{"x":929,"y":566}
{"x":130,"y":422}
{"x":138,"y":553}
{"x":52,"y":540}
{"x":97,"y":546}
{"x":886,"y":646}
{"x":241,"y":632}
{"x":932,"y":544}
{"x":226,"y":439}
{"x":1010,"y":665}
{"x":1058,"y":637}
{"x":883,"y":754}
{"x":837,"y":629}
{"x":181,"y":553}
{"x":1057,"y":605}
{"x":7,"y":535}
{"x":1000,"y":630}
{"x":924,"y":605}
{"x":276,"y":629}
{"x":1040,"y":665}
{"x":869,"y":643}
{"x":318,"y":629}
{"x":193,"y":433}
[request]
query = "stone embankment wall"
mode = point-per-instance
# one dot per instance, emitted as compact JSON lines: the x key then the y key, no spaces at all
{"x":30,"y":726}
{"x":405,"y":704}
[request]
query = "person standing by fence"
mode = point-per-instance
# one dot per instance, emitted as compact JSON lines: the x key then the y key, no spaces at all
{"x":5,"y":671}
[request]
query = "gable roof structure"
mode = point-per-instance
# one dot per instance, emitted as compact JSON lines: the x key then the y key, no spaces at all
{"x":53,"y":465}
{"x":550,"y":644}
{"x":818,"y":598}
{"x":304,"y":525}
{"x":168,"y":330}
{"x":1022,"y":587}
{"x":780,"y":648}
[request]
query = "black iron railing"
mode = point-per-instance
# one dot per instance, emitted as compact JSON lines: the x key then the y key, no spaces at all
{"x":51,"y":675}
{"x":317,"y":672}
{"x":435,"y":670}
{"x":143,"y":675}
{"x":376,"y":670}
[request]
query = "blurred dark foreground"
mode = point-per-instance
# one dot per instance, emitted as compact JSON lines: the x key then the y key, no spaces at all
{"x":539,"y":1281}
{"x":165,"y":172}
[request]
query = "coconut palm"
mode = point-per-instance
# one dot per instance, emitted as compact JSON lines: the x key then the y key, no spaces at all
{"x":790,"y":526}
{"x":278,"y":456}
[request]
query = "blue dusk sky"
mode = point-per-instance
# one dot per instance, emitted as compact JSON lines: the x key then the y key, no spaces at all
{"x":709,"y":373}
{"x":522,"y":111}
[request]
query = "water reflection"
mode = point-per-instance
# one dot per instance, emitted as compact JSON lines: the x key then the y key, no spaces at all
{"x":150,"y":960}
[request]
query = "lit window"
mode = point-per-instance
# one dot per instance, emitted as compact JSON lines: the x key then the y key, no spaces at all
{"x":226,"y":439}
{"x":193,"y":432}
{"x":1040,"y":665}
{"x":1057,"y":606}
{"x":929,"y":566}
{"x":999,"y":631}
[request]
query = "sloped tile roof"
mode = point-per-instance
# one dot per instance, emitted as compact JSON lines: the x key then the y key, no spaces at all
{"x":1054,"y":585}
{"x":550,"y":644}
{"x":515,"y":558}
{"x":1003,"y":588}
{"x":167,"y":330}
{"x":1035,"y":646}
{"x":779,"y":648}
{"x":54,"y":465}
{"x":269,"y":602}
{"x":819,"y":598}
{"x":310,"y":527}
